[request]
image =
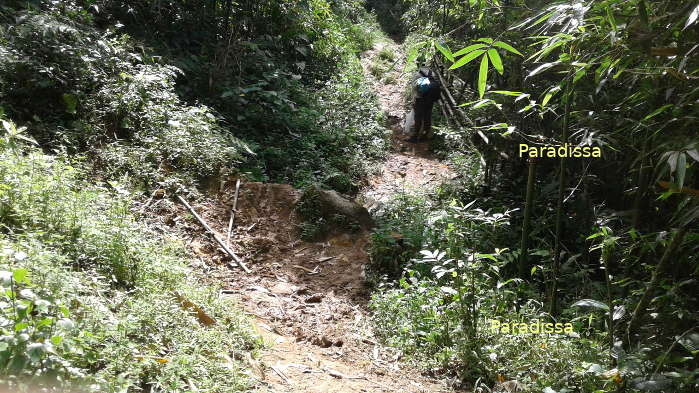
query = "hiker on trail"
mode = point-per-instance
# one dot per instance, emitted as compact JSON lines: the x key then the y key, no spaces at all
{"x":426,"y":89}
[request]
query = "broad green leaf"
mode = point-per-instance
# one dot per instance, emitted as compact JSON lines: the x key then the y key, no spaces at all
{"x":468,"y":49}
{"x":496,"y":60}
{"x":486,"y":40}
{"x":36,"y":351}
{"x":579,"y":74}
{"x":445,"y":51}
{"x":591,"y":303}
{"x":533,"y":271}
{"x":20,"y":275}
{"x":681,"y":168}
{"x":507,"y":47}
{"x":466,"y":59}
{"x":483,"y":76}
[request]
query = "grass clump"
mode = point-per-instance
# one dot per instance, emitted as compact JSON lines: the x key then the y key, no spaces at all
{"x":387,"y":54}
{"x":89,"y":293}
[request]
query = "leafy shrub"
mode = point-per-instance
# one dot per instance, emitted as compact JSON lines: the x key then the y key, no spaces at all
{"x":94,"y":93}
{"x":93,"y":298}
{"x":444,"y":324}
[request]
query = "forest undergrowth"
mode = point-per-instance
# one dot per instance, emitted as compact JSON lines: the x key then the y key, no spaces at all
{"x":106,"y":102}
{"x":98,"y":110}
{"x":584,"y":242}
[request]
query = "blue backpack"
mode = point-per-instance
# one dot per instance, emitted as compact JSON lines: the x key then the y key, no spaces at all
{"x":423,"y":85}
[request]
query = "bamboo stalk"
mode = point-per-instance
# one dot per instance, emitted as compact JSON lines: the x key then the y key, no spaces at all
{"x":665,"y":260}
{"x":553,"y":305}
{"x":523,"y":263}
{"x":219,"y":241}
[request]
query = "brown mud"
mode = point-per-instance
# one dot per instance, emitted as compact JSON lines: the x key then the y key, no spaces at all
{"x":309,"y":299}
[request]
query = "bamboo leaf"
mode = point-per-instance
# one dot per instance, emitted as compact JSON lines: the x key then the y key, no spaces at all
{"x":507,"y":92}
{"x":694,"y":154}
{"x":542,"y":68}
{"x":483,"y":76}
{"x":591,"y":303}
{"x":496,"y":60}
{"x":547,"y":49}
{"x":507,"y":47}
{"x":445,"y":51}
{"x":657,"y":112}
{"x":544,"y":17}
{"x":692,"y":17}
{"x":681,"y":168}
{"x":466,"y":59}
{"x":672,"y":161}
{"x":550,"y":94}
{"x":486,"y":40}
{"x":468,"y":49}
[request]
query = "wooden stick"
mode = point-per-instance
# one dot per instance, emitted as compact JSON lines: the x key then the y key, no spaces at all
{"x":235,"y":205}
{"x":281,"y":375}
{"x":219,"y":241}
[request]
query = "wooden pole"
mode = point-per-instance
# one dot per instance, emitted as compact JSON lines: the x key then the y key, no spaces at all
{"x":235,"y":205}
{"x":219,"y":241}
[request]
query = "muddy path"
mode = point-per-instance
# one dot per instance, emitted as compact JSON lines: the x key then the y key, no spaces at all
{"x":309,"y":299}
{"x":409,"y":166}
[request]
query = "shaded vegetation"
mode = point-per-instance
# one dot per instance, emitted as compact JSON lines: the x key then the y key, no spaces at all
{"x":197,"y":92}
{"x":612,"y":74}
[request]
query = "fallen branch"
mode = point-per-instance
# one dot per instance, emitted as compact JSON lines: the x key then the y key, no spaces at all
{"x":219,"y":241}
{"x":235,"y":205}
{"x":281,"y":375}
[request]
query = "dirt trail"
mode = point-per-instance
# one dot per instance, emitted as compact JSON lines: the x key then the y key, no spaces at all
{"x":309,"y":299}
{"x":409,"y":166}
